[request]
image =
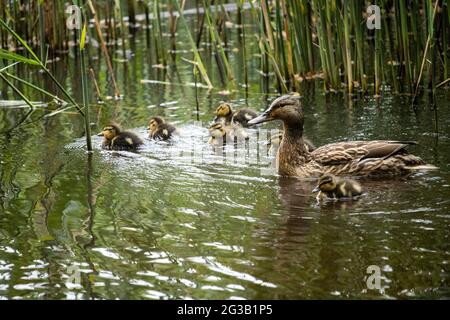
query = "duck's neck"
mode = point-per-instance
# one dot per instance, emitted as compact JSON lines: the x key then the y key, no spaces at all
{"x":293,"y":132}
{"x":292,"y":152}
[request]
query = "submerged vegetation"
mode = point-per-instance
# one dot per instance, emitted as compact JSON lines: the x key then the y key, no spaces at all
{"x":296,"y":40}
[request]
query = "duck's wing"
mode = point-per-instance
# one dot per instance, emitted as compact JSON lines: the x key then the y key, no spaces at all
{"x":342,"y":152}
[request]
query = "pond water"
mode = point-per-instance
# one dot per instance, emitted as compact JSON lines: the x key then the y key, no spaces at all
{"x":159,"y":225}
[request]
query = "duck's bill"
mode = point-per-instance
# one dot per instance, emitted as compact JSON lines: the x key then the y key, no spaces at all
{"x":100,"y":134}
{"x":259,"y":119}
{"x":316,"y":189}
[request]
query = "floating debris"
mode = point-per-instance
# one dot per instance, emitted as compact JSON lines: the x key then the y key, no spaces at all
{"x":188,"y":84}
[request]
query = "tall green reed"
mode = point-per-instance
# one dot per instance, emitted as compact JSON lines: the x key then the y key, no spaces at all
{"x":297,"y":39}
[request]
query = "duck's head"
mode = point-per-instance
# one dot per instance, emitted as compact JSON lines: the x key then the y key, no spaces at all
{"x":326,"y":183}
{"x":223,"y":111}
{"x":217,"y":133}
{"x":286,"y":108}
{"x":110,"y":131}
{"x":154,"y":124}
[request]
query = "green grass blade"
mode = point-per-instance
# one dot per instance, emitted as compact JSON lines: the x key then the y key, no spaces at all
{"x":8,"y":66}
{"x":8,"y":55}
{"x":27,"y":101}
{"x":198,"y":58}
{"x":35,"y":87}
{"x":18,"y":38}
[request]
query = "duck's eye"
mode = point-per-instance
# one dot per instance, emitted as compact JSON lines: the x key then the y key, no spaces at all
{"x":324,"y":183}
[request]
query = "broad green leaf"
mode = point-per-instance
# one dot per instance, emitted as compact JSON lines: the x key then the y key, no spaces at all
{"x":8,"y":55}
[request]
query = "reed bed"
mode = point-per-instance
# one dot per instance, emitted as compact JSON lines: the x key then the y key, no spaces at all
{"x":298,"y":40}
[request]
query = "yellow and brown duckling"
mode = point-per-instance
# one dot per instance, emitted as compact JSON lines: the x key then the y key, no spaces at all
{"x":219,"y":133}
{"x":330,"y":186}
{"x":159,"y":129}
{"x":353,"y":158}
{"x":225,"y":115}
{"x":116,"y":139}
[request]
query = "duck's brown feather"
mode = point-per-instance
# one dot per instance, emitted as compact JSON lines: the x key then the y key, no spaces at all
{"x":342,"y":152}
{"x":356,"y":158}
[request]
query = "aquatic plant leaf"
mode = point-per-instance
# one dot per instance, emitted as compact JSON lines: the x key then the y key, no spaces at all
{"x":8,"y":55}
{"x":83,"y":37}
{"x":22,"y":41}
{"x":24,"y":98}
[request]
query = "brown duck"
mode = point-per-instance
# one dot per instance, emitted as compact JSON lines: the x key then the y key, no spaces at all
{"x":114,"y":138}
{"x":330,"y":186}
{"x":159,"y":129}
{"x":225,"y":115}
{"x":356,"y":158}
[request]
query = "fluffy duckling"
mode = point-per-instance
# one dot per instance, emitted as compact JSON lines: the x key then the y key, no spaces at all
{"x":116,"y":139}
{"x":330,"y":186}
{"x":220,"y":133}
{"x":275,"y":141}
{"x":159,"y":129}
{"x":224,"y":114}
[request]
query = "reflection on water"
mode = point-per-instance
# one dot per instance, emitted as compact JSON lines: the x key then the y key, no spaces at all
{"x":157,"y":224}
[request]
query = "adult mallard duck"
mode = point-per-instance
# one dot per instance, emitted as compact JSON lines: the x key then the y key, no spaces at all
{"x":330,"y":186}
{"x":356,"y":158}
{"x":225,"y":115}
{"x":159,"y":129}
{"x":116,"y":139}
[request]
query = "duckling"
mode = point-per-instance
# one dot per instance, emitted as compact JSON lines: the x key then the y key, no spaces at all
{"x":275,"y":141}
{"x":220,"y":133}
{"x":116,"y":139}
{"x":330,"y":186}
{"x":224,"y":114}
{"x":159,"y":129}
{"x":355,"y":158}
